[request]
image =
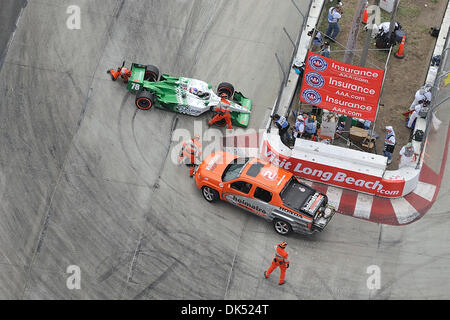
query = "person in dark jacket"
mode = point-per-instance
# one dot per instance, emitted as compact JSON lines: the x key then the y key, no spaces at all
{"x":283,"y":126}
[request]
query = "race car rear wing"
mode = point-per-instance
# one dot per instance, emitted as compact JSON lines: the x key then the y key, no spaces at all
{"x":136,"y":81}
{"x":241,"y":119}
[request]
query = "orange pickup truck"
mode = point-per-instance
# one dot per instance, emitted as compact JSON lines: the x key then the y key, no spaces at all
{"x":265,"y":190}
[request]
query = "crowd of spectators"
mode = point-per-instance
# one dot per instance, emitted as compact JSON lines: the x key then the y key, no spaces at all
{"x":306,"y":125}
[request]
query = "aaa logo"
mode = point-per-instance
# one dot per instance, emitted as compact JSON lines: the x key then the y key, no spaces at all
{"x":315,"y":80}
{"x":317,"y":63}
{"x":311,"y":96}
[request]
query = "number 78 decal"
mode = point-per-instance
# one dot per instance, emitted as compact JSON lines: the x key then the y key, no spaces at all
{"x":135,"y":86}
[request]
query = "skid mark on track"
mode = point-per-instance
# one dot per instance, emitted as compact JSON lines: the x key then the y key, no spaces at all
{"x":236,"y":251}
{"x":122,"y":139}
{"x":172,"y":129}
{"x":47,"y":216}
{"x":134,"y":260}
{"x":188,"y":31}
{"x":164,"y":275}
{"x":141,"y":153}
{"x":152,"y":285}
{"x":116,"y":263}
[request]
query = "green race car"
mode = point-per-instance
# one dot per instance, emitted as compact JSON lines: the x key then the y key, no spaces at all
{"x":185,"y":95}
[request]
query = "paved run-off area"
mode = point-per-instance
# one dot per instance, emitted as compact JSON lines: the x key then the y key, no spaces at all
{"x":87,"y":180}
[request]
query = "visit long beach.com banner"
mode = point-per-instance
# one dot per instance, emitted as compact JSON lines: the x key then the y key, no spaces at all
{"x":342,"y":88}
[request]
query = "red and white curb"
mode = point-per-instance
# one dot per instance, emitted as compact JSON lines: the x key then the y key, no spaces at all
{"x":399,"y":211}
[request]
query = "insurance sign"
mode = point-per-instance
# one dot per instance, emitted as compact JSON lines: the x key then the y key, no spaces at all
{"x":342,"y":88}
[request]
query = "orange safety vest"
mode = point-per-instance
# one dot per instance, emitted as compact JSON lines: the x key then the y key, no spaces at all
{"x":124,"y":72}
{"x":191,"y":148}
{"x":281,"y":255}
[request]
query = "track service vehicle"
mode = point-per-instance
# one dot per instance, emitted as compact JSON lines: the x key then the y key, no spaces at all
{"x":265,"y":190}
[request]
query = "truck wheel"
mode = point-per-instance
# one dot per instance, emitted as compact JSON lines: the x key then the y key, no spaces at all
{"x":282,"y":227}
{"x":151,"y":73}
{"x":225,"y":90}
{"x":145,"y":100}
{"x":210,"y":194}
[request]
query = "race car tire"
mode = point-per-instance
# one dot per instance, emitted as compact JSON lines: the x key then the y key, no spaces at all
{"x":282,"y":227}
{"x":225,"y":88}
{"x":151,"y":73}
{"x":145,"y":100}
{"x":210,"y":194}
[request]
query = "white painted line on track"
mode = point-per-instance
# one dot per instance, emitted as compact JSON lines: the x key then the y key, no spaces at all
{"x":334,"y":196}
{"x":425,"y":190}
{"x":404,"y":211}
{"x":363,"y":206}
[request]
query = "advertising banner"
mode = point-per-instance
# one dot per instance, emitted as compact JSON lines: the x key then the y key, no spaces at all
{"x":342,"y":88}
{"x":334,"y":176}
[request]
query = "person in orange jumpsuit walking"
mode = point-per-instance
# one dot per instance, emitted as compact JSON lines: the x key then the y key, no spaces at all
{"x":190,"y":154}
{"x":280,"y":260}
{"x":222,"y":113}
{"x":122,"y":72}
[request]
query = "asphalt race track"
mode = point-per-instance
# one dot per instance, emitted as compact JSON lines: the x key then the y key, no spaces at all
{"x":87,"y":180}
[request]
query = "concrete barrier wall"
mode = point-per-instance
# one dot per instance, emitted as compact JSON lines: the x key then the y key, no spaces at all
{"x":330,"y":168}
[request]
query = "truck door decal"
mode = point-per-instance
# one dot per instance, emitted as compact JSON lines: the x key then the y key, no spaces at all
{"x":258,"y":207}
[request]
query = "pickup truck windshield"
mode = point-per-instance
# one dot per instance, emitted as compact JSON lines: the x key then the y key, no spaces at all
{"x":234,"y":169}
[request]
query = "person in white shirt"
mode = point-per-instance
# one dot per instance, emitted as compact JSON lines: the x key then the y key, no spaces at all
{"x":389,"y":143}
{"x":384,"y":27}
{"x":414,"y":115}
{"x":334,"y":15}
{"x":299,"y":127}
{"x":407,"y":156}
{"x":423,"y":94}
